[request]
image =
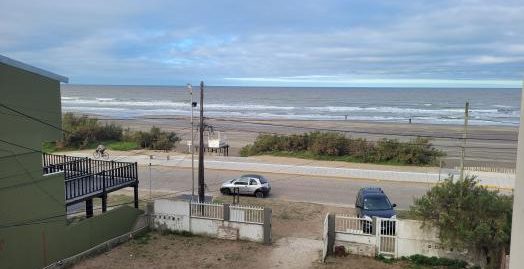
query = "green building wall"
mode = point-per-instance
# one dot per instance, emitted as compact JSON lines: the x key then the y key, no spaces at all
{"x":34,"y":231}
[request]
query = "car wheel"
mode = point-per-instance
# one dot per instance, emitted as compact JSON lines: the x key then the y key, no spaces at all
{"x":226,"y":191}
{"x":259,"y":194}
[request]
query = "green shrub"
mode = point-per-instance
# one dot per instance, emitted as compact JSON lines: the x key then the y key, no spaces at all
{"x":84,"y":132}
{"x":335,"y":146}
{"x":81,"y":131}
{"x":468,"y":216}
{"x":435,"y":261}
{"x":156,"y":139}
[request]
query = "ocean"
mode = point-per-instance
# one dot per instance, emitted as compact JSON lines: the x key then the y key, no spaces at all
{"x":422,"y":105}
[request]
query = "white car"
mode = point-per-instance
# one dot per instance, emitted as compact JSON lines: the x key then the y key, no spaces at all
{"x":247,"y":184}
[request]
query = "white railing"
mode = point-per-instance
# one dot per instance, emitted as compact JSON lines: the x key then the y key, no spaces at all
{"x":247,"y":214}
{"x":207,"y":210}
{"x":352,"y":225}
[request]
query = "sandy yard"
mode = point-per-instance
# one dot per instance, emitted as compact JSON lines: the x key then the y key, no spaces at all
{"x":297,"y":229}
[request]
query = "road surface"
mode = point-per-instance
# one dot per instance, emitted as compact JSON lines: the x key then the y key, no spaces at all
{"x":314,"y":189}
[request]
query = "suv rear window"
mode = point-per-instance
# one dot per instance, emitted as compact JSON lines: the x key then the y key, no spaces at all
{"x":376,"y":203}
{"x":262,"y":180}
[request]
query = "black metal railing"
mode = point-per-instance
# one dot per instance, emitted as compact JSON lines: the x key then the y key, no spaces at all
{"x":86,"y":178}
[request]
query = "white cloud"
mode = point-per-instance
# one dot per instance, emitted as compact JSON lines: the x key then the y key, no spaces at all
{"x":442,"y":42}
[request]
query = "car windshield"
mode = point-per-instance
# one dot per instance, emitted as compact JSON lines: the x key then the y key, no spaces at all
{"x":262,"y":180}
{"x":376,"y":203}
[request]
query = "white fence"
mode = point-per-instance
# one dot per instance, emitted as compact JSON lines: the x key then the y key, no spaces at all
{"x":366,"y":236}
{"x":207,"y":210}
{"x":247,"y":214}
{"x":352,"y":224}
{"x":215,"y":220}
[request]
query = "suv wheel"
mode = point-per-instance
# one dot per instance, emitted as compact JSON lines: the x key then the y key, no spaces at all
{"x":259,"y":194}
{"x":226,"y":191}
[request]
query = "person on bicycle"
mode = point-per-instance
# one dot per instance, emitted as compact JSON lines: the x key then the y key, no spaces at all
{"x":100,"y":149}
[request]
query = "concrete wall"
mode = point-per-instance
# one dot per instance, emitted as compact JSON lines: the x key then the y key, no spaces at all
{"x":174,"y":215}
{"x":33,"y":228}
{"x":411,"y":238}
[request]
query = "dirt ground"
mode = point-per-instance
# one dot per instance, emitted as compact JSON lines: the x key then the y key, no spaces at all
{"x":297,"y":231}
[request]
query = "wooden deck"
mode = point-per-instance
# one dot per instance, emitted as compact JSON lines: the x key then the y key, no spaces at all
{"x":85,"y":178}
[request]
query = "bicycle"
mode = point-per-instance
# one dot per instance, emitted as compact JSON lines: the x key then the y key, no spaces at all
{"x":100,"y":155}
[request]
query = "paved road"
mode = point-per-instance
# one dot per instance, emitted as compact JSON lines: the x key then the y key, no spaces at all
{"x":284,"y":186}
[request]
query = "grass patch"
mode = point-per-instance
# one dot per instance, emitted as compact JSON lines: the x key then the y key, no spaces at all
{"x":121,"y":145}
{"x":424,"y":262}
{"x":142,"y":239}
{"x":49,"y":147}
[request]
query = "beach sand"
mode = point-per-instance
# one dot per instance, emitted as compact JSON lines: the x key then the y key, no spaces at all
{"x":486,"y":145}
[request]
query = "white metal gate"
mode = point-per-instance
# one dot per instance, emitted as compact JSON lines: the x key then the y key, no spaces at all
{"x":386,"y":232}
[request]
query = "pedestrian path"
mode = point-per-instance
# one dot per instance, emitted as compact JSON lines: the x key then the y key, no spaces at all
{"x":489,"y":179}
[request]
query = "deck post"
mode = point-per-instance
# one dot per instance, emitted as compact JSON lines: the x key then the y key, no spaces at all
{"x":104,"y":192}
{"x":136,"y":194}
{"x":89,"y":208}
{"x":135,"y":187}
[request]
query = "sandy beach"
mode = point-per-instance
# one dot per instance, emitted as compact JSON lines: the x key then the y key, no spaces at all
{"x":493,"y":146}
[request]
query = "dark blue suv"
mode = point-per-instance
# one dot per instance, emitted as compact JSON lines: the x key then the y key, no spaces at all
{"x":373,"y":202}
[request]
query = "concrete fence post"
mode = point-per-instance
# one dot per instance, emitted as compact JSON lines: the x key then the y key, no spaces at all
{"x":267,"y":225}
{"x":330,"y":234}
{"x":226,"y":212}
{"x":374,"y":226}
{"x":150,"y":213}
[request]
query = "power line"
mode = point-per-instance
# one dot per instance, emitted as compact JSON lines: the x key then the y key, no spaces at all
{"x":33,"y":118}
{"x":358,"y":132}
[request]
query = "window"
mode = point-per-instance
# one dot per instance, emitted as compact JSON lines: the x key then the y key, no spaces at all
{"x":253,"y":182}
{"x":263,"y":180}
{"x":376,"y":203}
{"x":241,"y":181}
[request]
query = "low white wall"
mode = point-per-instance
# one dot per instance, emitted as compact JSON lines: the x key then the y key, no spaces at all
{"x":413,"y":239}
{"x":360,"y":244}
{"x":228,"y":229}
{"x":175,"y":216}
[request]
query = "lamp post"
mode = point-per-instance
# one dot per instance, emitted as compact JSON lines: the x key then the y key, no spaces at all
{"x":190,"y":88}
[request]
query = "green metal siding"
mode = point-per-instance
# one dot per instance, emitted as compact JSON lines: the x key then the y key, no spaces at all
{"x":26,"y":195}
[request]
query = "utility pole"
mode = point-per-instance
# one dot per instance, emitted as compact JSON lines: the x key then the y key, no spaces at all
{"x":150,"y":193}
{"x":201,"y":191}
{"x":464,"y":137}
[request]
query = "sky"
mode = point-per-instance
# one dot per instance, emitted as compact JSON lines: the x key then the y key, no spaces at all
{"x":445,"y":43}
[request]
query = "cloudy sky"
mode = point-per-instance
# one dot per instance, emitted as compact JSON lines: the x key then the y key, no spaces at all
{"x":477,"y":43}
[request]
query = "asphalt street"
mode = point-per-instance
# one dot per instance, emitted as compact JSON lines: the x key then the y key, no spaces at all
{"x":325,"y":190}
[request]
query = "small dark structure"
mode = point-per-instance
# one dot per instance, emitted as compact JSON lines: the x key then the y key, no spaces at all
{"x":222,"y":150}
{"x":86,"y":178}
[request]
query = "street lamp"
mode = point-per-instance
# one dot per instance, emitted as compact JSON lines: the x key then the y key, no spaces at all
{"x":190,"y":88}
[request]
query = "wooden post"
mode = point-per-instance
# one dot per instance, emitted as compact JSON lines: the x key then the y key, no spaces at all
{"x":89,"y":208}
{"x":104,"y":192}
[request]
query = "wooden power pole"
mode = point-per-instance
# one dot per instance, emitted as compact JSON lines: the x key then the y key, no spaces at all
{"x":464,"y":137}
{"x":201,"y":190}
